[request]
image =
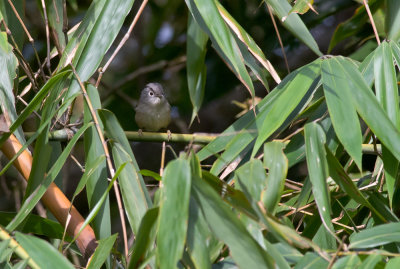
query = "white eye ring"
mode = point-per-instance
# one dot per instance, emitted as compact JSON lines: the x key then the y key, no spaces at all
{"x":151,"y":93}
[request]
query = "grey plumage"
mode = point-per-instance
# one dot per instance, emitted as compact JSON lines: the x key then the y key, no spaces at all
{"x":153,"y":111}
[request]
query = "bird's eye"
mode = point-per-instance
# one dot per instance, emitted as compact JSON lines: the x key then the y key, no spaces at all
{"x":151,"y":93}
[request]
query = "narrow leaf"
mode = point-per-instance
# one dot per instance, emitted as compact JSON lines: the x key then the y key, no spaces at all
{"x":44,"y":254}
{"x":376,"y":236}
{"x":228,"y":228}
{"x":195,"y":64}
{"x":206,"y":14}
{"x":343,"y":113}
{"x":318,"y":171}
{"x":277,"y":164}
{"x":294,"y":24}
{"x":174,"y":213}
{"x":287,"y":102}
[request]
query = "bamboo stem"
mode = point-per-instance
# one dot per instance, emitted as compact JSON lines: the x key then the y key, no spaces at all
{"x":54,"y":199}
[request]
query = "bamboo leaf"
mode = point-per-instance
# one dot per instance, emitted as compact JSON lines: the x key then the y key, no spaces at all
{"x":318,"y":171}
{"x":44,"y":254}
{"x":386,"y":91}
{"x":367,"y":106}
{"x":376,"y":236}
{"x":195,"y":65}
{"x":144,"y":238}
{"x":207,"y":16}
{"x":343,"y":113}
{"x":228,"y":228}
{"x":96,"y":181}
{"x":174,"y":213}
{"x":8,"y":73}
{"x":277,"y":164}
{"x":102,"y":251}
{"x":286,"y":103}
{"x":249,"y":42}
{"x":294,"y":24}
{"x":392,"y":20}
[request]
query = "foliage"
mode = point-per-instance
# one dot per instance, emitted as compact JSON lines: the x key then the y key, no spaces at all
{"x":250,"y":208}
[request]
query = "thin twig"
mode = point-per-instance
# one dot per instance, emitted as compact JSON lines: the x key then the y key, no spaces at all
{"x":162,"y":160}
{"x":29,"y":37}
{"x":124,"y":39}
{"x":46,"y":21}
{"x":108,"y":159}
{"x":65,"y":21}
{"x":279,"y":37}
{"x":336,"y":253}
{"x":372,"y":21}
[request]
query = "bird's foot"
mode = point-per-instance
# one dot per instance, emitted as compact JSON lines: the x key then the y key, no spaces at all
{"x":169,"y":134}
{"x":140,"y":132}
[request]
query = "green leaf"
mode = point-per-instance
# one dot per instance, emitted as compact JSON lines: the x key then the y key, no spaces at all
{"x":376,"y":236}
{"x":371,"y":261}
{"x":44,"y":254}
{"x":253,"y":177}
{"x":12,"y":21}
{"x":148,"y":173}
{"x":35,"y":102}
{"x":96,"y":180}
{"x":195,"y":64}
{"x":302,"y":6}
{"x":367,"y":69}
{"x":392,"y":20}
{"x":353,"y":25}
{"x":291,"y":97}
{"x":227,"y":227}
{"x":338,"y":174}
{"x":198,"y":229}
{"x":115,"y":132}
{"x":367,"y":105}
{"x":133,"y":195}
{"x":37,"y":194}
{"x":294,"y":24}
{"x":311,"y":260}
{"x":35,"y":224}
{"x":248,"y":121}
{"x":174,"y":213}
{"x":102,"y":251}
{"x":55,"y":17}
{"x":277,"y":164}
{"x":96,"y":208}
{"x":7,"y":76}
{"x":144,"y":238}
{"x":94,"y":36}
{"x":386,"y":91}
{"x":206,"y":14}
{"x":134,"y":192}
{"x":351,"y":261}
{"x":248,"y":42}
{"x":318,"y":171}
{"x":393,"y":263}
{"x":343,"y":113}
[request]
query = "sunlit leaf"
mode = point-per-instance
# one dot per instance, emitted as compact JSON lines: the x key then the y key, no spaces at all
{"x":343,"y":114}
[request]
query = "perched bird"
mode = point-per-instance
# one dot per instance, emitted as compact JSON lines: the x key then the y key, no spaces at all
{"x":153,"y":111}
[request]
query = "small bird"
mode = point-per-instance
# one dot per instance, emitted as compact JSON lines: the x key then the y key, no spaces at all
{"x":153,"y":111}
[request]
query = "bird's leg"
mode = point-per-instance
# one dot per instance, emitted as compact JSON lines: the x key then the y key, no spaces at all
{"x":169,"y":135}
{"x":140,"y":132}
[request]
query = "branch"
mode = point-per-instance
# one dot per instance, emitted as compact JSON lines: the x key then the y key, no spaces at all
{"x":196,"y":138}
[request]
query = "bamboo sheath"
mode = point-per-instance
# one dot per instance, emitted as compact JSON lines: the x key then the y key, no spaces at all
{"x":54,"y":199}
